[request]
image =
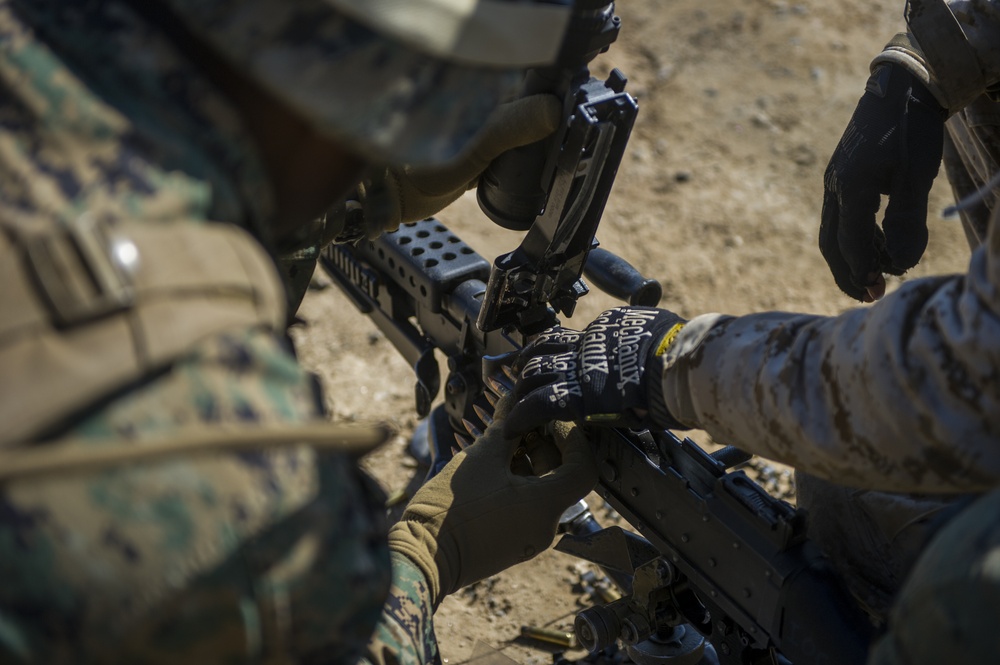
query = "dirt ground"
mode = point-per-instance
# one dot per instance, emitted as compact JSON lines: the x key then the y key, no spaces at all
{"x":741,"y":104}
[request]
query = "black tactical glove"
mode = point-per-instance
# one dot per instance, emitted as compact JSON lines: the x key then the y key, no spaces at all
{"x":598,"y":375}
{"x":892,"y":145}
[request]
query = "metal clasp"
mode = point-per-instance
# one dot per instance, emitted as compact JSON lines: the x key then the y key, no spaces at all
{"x":81,"y":272}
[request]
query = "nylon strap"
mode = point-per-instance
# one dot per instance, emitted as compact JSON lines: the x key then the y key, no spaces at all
{"x":71,"y":455}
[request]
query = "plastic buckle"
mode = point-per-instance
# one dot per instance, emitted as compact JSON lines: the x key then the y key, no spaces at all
{"x":82,"y":274}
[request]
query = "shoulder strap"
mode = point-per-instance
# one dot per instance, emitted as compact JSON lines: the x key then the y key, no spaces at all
{"x":72,"y":455}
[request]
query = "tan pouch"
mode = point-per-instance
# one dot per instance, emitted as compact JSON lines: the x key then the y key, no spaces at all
{"x":89,"y":307}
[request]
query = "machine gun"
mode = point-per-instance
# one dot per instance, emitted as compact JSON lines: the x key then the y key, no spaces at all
{"x":722,"y":571}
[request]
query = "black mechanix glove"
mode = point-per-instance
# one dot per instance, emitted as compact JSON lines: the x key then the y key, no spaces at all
{"x":892,"y":146}
{"x":608,"y":373}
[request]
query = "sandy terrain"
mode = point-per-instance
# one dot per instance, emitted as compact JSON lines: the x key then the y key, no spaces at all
{"x":741,"y":104}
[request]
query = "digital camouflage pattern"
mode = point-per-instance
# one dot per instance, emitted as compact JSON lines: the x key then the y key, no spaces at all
{"x":902,"y":397}
{"x":405,"y":633}
{"x":112,"y":134}
{"x":277,"y":556}
{"x":227,"y":558}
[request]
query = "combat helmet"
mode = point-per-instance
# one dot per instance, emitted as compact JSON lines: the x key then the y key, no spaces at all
{"x":406,"y":81}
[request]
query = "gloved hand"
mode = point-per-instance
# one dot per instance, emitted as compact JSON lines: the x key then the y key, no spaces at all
{"x":400,"y":194}
{"x":477,"y":517}
{"x":892,"y":145}
{"x":609,"y":373}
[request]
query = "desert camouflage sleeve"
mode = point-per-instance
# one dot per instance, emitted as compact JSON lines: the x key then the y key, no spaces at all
{"x":405,"y":632}
{"x":903,"y":395}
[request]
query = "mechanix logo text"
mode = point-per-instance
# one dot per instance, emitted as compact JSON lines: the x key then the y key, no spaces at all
{"x":564,"y":389}
{"x":594,"y":356}
{"x":564,"y":363}
{"x":631,"y":333}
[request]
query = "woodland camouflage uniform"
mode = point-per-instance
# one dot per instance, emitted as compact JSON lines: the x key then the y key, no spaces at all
{"x":278,"y":555}
{"x":903,"y":396}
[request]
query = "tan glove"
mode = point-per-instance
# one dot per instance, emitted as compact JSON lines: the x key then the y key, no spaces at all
{"x":477,"y":517}
{"x":406,"y":194}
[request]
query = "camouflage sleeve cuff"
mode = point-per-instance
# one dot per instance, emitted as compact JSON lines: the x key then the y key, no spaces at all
{"x":680,"y":356}
{"x":405,"y":632}
{"x":903,"y":51}
{"x":658,"y":411}
{"x":952,"y":47}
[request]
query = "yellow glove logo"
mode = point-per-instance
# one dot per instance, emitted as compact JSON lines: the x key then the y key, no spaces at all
{"x":668,"y":339}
